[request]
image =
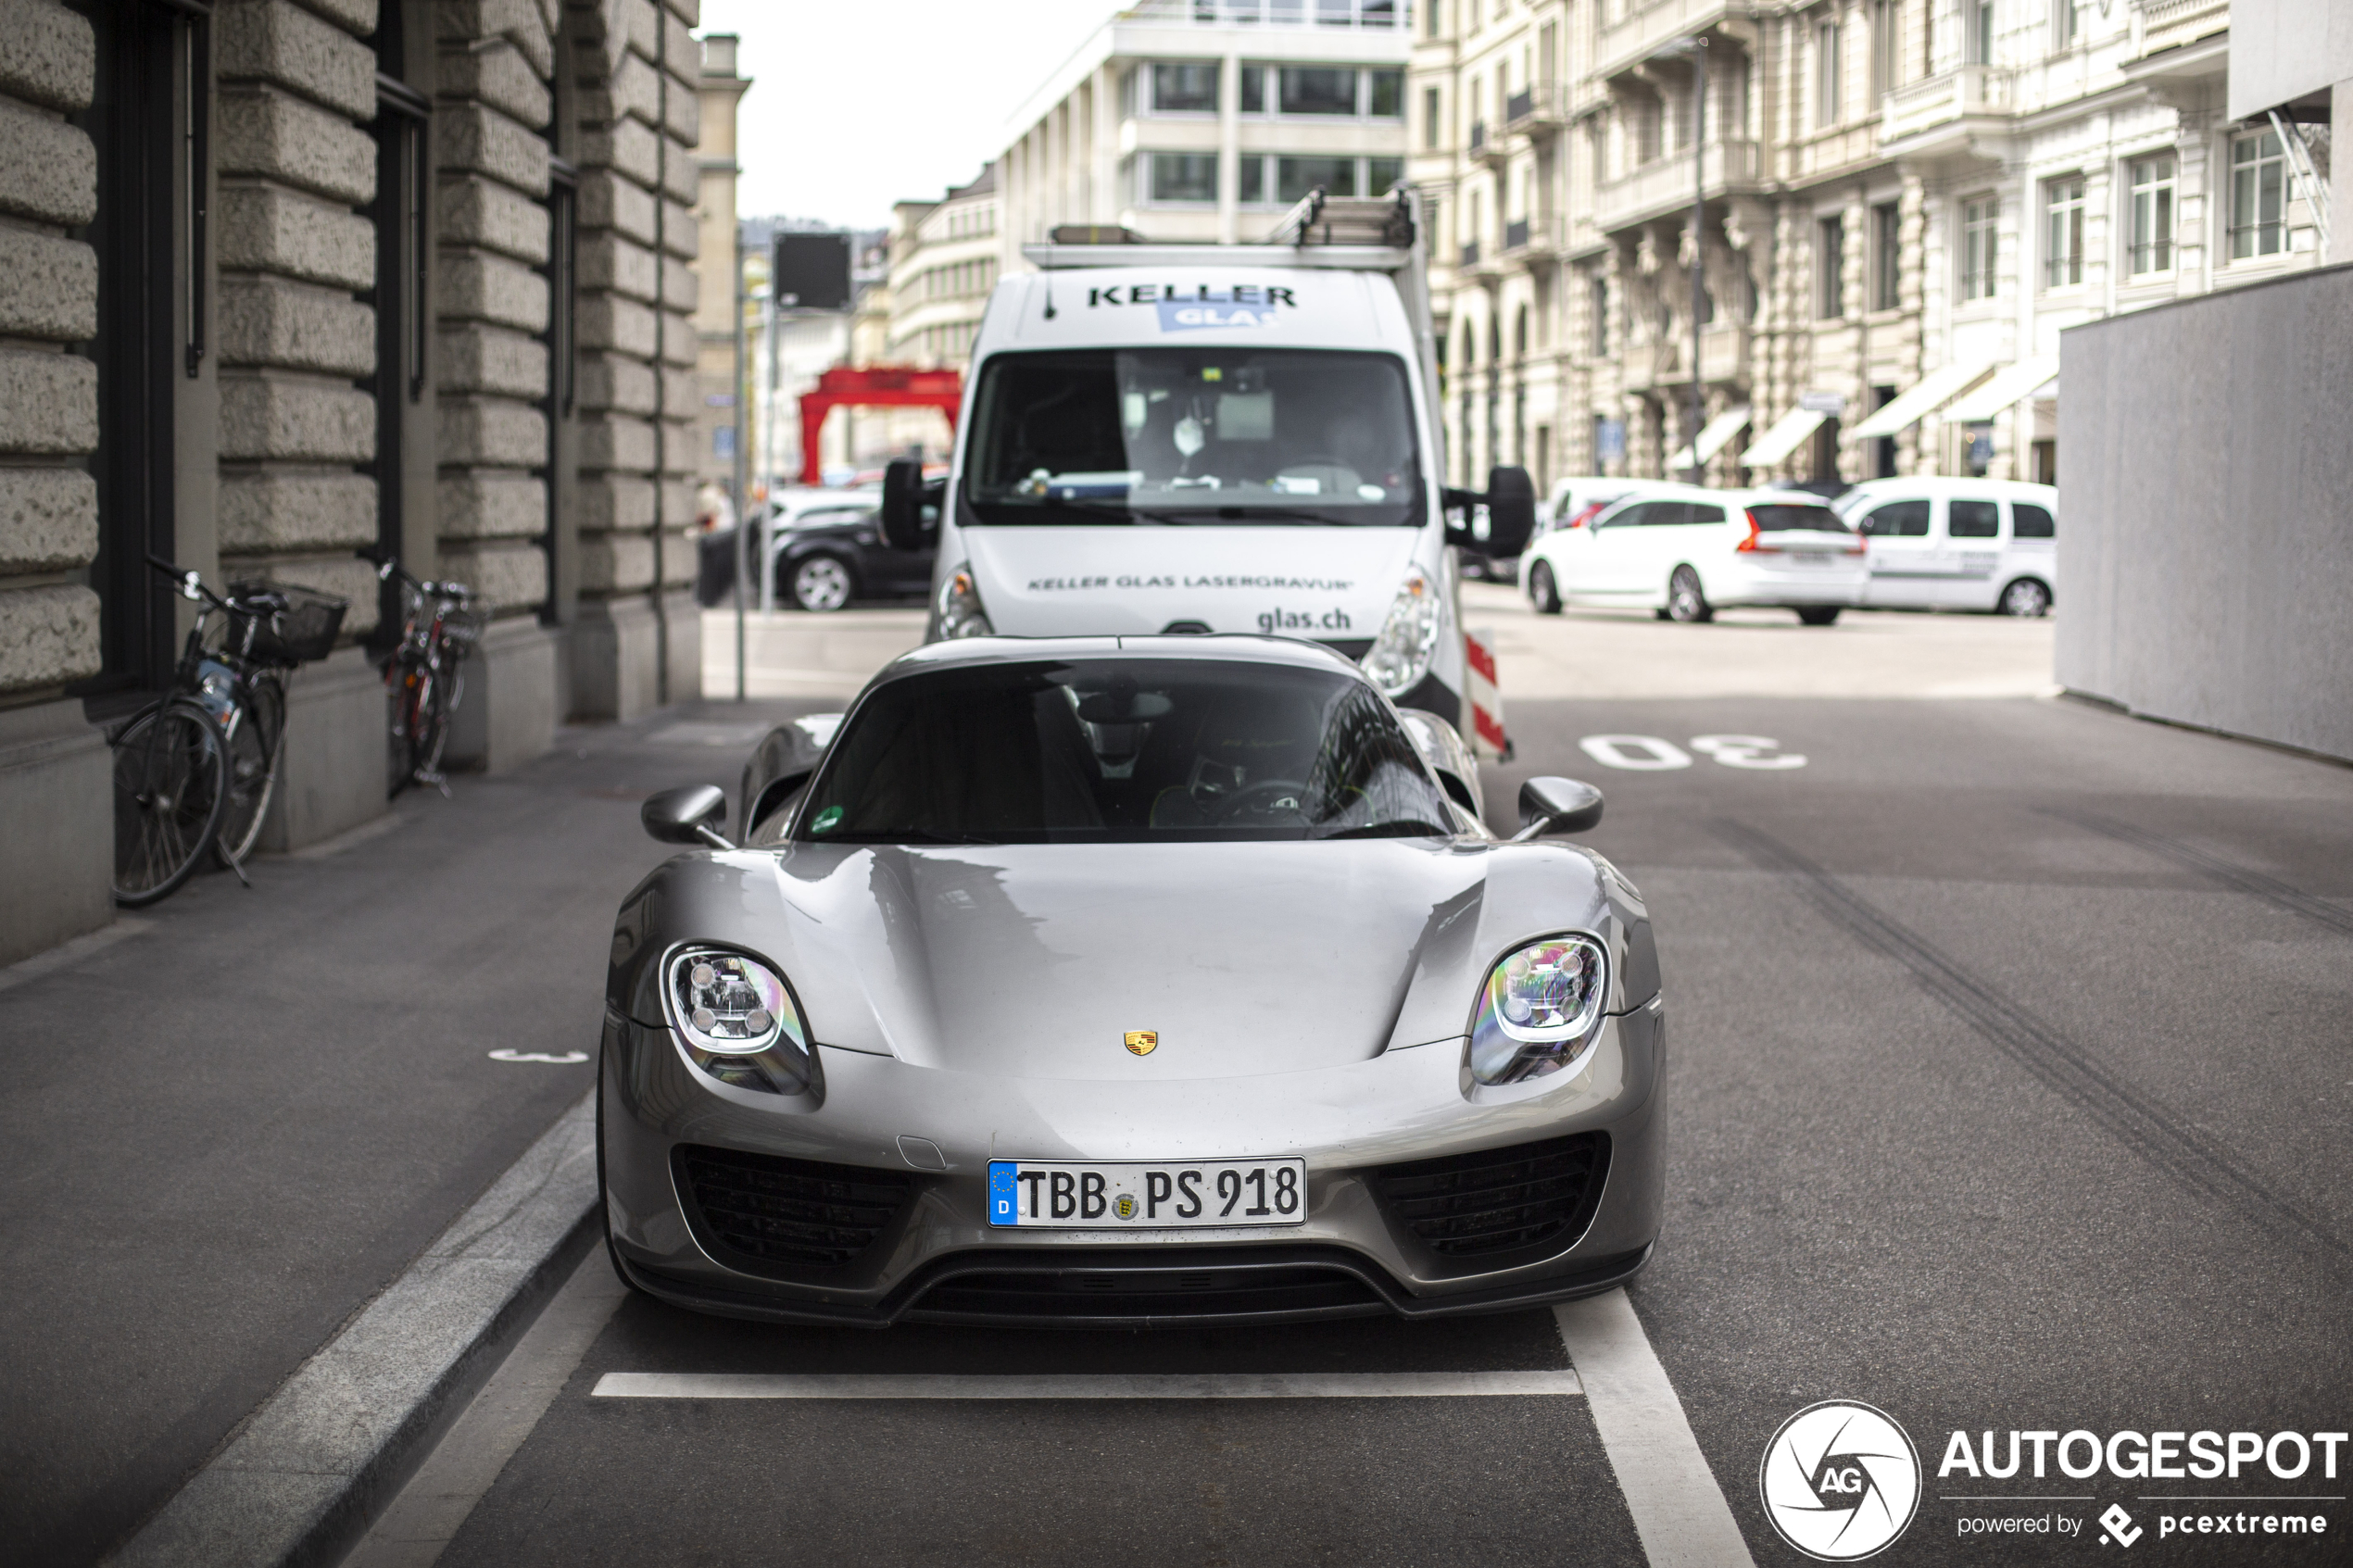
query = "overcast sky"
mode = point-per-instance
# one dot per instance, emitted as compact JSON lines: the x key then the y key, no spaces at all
{"x":855,"y":107}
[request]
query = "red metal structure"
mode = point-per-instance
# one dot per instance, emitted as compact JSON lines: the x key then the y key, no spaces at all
{"x":877,"y":386}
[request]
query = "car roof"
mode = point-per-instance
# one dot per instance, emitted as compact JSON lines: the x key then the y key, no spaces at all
{"x":1660,"y":490}
{"x":1945,"y":484}
{"x":1231,"y":647}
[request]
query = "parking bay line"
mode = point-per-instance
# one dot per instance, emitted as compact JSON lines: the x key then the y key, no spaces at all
{"x":1680,"y":1512}
{"x":1084,"y":1385}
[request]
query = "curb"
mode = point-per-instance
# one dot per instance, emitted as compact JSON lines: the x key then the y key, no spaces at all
{"x":313,"y":1461}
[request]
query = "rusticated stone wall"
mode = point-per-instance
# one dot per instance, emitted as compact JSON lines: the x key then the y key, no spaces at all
{"x":297,"y":166}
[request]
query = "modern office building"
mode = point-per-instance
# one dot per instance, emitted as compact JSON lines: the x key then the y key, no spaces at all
{"x":1902,"y":203}
{"x":1202,"y":120}
{"x":278,"y":281}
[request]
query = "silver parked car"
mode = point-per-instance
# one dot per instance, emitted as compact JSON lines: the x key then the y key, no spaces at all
{"x":1128,"y":981}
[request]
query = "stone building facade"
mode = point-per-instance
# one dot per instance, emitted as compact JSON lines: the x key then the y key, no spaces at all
{"x":715,"y":321}
{"x":279,"y":281}
{"x":1903,"y":203}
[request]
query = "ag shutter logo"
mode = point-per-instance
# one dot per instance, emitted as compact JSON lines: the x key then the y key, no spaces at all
{"x":1841,"y":1481}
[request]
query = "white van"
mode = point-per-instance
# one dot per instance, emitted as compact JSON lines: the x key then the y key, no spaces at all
{"x":1684,"y":553}
{"x":1958,"y":544}
{"x":1215,"y":438}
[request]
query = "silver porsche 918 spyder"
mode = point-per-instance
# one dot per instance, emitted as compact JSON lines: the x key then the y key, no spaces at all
{"x":1129,"y":981}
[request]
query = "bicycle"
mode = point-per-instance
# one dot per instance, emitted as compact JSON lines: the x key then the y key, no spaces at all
{"x":196,"y":770}
{"x":425,"y":671}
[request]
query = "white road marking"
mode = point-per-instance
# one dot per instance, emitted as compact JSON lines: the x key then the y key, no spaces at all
{"x":1680,"y":1512}
{"x":422,"y":1521}
{"x":566,"y":1060}
{"x":1747,"y":751}
{"x":1081,"y":1386}
{"x":1615,"y":751}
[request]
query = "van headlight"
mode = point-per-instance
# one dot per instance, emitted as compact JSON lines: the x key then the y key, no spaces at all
{"x":1399,"y":657}
{"x":1542,"y":1005}
{"x":959,"y":611}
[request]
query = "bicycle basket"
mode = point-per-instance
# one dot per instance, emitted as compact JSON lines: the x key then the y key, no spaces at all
{"x":462,"y":629}
{"x":303,"y":633}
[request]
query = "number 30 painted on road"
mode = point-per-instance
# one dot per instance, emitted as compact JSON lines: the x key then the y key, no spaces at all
{"x":1648,"y":754}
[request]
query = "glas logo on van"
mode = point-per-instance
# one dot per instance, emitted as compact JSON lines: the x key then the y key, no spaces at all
{"x":1243,"y":305}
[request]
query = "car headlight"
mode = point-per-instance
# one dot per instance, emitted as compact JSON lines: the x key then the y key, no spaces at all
{"x":1540,"y":1007}
{"x":959,"y":611}
{"x":737,"y":1021}
{"x":1399,"y":657}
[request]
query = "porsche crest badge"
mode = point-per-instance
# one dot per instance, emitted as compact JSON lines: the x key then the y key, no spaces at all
{"x":1143,"y":1042}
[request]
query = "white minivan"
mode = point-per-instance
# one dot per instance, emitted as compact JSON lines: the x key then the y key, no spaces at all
{"x":1958,"y":544}
{"x":1685,"y":552}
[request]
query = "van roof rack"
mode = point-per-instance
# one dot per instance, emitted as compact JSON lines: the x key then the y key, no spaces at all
{"x":1342,"y":233}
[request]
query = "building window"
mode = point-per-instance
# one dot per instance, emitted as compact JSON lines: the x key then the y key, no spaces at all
{"x":1385,"y":95}
{"x":1383,"y":174}
{"x":1433,"y":127}
{"x":1887,"y":256}
{"x":2062,"y":23}
{"x":1601,"y":318}
{"x":1981,"y":31}
{"x":1184,"y":177}
{"x":1254,"y":89}
{"x":1436,"y":12}
{"x":1977,"y":244}
{"x":1829,"y":252}
{"x":2152,"y":244}
{"x":1294,"y":176}
{"x":1320,"y":90}
{"x":1883,"y":15}
{"x":2258,"y":197}
{"x":1185,"y":89}
{"x":2063,"y":233}
{"x":1826,"y":75}
{"x":1252,"y":191}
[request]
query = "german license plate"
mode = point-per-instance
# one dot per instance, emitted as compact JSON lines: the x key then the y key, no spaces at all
{"x":1186,"y":1195}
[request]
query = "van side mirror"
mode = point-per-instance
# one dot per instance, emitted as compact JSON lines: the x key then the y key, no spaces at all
{"x":1511,"y":511}
{"x":905,"y":501}
{"x":1556,"y":804}
{"x":688,"y":815}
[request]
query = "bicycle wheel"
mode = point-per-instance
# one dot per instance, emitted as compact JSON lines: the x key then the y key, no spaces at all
{"x":411,"y":689}
{"x":429,"y":734}
{"x":170,"y":785}
{"x":255,"y":750}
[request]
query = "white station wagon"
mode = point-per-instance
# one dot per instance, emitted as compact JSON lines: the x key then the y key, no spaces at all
{"x":1958,"y":544}
{"x":1685,"y":552}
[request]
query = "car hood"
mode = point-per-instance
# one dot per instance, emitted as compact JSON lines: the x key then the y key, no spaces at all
{"x":1335,"y":583}
{"x":1035,"y":961}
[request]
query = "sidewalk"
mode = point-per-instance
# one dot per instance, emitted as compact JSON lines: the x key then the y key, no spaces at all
{"x":227,"y":1129}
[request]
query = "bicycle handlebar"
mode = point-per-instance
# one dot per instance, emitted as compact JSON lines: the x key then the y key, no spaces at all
{"x":388,"y":567}
{"x":192,"y":588}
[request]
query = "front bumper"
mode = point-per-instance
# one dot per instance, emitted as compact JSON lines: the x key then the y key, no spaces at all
{"x":937,"y":1260}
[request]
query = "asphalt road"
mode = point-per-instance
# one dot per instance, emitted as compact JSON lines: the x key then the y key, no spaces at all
{"x":2011,"y":1065}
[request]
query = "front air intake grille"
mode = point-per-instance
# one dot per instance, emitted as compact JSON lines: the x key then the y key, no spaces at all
{"x":1140,"y":1296}
{"x":1499,"y":1199}
{"x":793,"y":1212}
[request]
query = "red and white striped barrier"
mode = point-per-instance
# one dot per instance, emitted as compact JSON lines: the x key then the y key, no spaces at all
{"x":1489,"y":742}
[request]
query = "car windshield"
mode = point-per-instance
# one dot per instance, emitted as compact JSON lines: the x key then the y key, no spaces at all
{"x":1121,"y":751}
{"x":1194,"y":435}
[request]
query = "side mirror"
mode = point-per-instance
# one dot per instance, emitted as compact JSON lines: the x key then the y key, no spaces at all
{"x":904,"y":495}
{"x":688,"y":815}
{"x":1511,"y":511}
{"x":1555,"y":805}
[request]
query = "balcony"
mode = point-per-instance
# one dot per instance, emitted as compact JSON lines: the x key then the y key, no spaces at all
{"x":1641,"y":33}
{"x":1945,"y":102}
{"x":1526,"y":239}
{"x":2159,"y":25}
{"x":1485,"y":145}
{"x":1664,"y":184}
{"x":1537,"y":111}
{"x":1470,"y":254}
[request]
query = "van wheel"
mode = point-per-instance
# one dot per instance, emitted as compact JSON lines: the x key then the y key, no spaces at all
{"x":1817,"y":615}
{"x":1684,"y":600}
{"x":2025,"y":597}
{"x":1543,"y":590}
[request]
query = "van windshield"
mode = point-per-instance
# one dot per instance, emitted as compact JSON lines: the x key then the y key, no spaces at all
{"x":1194,"y":435}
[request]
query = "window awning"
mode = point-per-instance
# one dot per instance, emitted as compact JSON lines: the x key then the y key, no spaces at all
{"x":1712,"y":440}
{"x":2009,"y":385}
{"x":1929,"y":394}
{"x":1782,"y":439}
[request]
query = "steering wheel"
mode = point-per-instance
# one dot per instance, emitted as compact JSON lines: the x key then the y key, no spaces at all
{"x":1262,"y":798}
